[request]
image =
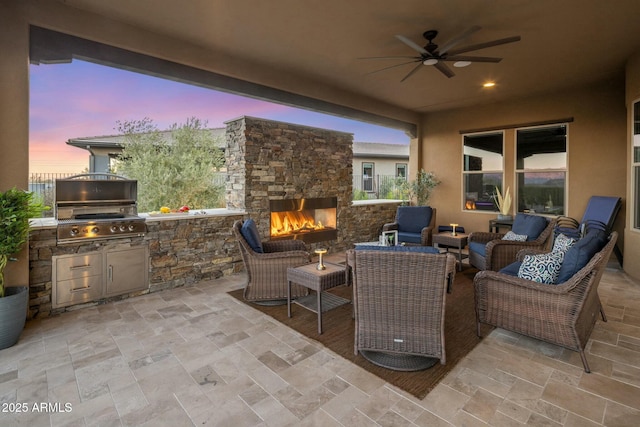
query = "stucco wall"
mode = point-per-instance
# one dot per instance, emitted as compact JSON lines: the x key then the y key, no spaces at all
{"x":597,"y":148}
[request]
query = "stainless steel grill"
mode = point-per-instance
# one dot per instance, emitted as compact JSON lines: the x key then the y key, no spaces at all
{"x":97,"y":206}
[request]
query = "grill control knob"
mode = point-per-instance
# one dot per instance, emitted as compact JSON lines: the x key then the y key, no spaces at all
{"x":131,"y":227}
{"x":113,"y":228}
{"x":95,"y":230}
{"x":73,"y":231}
{"x":123,"y":228}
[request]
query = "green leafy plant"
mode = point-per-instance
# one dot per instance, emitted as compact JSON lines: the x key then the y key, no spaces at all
{"x":422,"y":187}
{"x":503,"y":202}
{"x":17,"y":207}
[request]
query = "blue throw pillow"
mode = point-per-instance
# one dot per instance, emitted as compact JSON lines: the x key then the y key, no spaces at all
{"x":512,"y":269}
{"x":420,"y":249}
{"x":412,"y":219}
{"x":542,"y":268}
{"x":529,"y":225}
{"x":581,"y":253}
{"x":249,"y":231}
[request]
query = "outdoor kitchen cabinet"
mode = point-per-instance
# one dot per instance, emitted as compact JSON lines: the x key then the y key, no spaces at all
{"x":126,"y":271}
{"x":82,"y":278}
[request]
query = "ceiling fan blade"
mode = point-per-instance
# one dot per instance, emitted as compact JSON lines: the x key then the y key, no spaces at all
{"x":412,"y":45}
{"x":392,"y":66}
{"x":442,"y":67}
{"x":472,"y":58}
{"x":485,"y":45}
{"x":454,"y":41}
{"x":411,"y":72}
{"x":390,"y":57}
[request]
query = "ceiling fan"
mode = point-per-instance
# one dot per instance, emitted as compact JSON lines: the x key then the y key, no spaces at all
{"x":435,"y":55}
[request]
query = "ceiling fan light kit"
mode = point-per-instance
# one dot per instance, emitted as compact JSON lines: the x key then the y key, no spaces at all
{"x":431,"y":55}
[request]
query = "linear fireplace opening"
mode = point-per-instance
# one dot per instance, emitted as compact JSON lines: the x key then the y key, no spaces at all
{"x":309,"y":220}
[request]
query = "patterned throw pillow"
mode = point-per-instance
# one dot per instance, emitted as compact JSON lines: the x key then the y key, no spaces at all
{"x":513,"y":236}
{"x":563,"y":243}
{"x":543,"y":268}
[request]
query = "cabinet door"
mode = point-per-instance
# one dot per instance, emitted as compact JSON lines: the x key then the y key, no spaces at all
{"x":127,"y":270}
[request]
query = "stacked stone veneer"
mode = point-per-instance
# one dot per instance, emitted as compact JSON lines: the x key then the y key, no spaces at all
{"x":266,"y":160}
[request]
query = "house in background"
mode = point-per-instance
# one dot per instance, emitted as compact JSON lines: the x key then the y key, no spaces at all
{"x":376,"y":166}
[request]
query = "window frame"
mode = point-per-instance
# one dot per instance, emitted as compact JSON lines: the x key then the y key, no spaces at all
{"x":634,"y":175}
{"x":517,"y":171}
{"x":401,"y":166}
{"x":466,"y":173}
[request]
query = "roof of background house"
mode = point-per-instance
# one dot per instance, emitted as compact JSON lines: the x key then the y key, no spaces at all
{"x":360,"y":149}
{"x":375,"y":149}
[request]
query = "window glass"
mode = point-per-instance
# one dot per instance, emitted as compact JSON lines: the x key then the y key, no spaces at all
{"x":636,"y":165}
{"x":541,"y":169}
{"x":482,"y":170}
{"x":367,"y":176}
{"x":401,"y":170}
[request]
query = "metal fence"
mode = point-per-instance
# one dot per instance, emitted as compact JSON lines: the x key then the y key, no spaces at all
{"x":378,"y":187}
{"x":44,"y":186}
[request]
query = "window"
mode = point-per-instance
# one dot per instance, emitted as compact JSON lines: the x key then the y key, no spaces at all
{"x":635,"y":166}
{"x":482,"y":170}
{"x":541,"y":169}
{"x":367,"y":176}
{"x":401,"y":170}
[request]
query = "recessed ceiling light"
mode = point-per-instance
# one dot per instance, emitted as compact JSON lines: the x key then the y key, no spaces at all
{"x":489,"y":84}
{"x":460,"y":64}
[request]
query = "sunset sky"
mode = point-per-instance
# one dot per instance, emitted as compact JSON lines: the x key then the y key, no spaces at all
{"x":82,"y":99}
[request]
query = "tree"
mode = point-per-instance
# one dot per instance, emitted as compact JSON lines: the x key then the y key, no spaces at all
{"x":174,"y":171}
{"x":420,"y":189}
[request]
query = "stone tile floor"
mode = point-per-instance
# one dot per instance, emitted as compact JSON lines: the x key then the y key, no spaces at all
{"x":195,"y":356}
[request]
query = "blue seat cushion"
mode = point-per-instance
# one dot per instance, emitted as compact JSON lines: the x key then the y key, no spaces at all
{"x":249,"y":231}
{"x":479,"y":248}
{"x":581,"y":253}
{"x":529,"y":225}
{"x":512,"y":269}
{"x":420,"y":249}
{"x":409,"y":237}
{"x":412,"y":219}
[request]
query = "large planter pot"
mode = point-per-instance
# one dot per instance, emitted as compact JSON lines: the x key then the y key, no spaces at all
{"x":13,"y":313}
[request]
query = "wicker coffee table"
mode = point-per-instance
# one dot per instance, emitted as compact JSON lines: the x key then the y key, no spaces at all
{"x":319,"y":281}
{"x":447,"y":240}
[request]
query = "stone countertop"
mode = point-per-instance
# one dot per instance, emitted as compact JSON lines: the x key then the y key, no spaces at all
{"x":44,"y":223}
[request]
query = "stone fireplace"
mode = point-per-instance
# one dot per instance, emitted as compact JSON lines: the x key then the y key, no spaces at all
{"x":273,"y":163}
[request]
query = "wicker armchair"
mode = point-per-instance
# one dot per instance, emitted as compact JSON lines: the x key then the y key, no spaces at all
{"x":499,"y":253}
{"x":267,"y":272}
{"x":562,"y":314}
{"x":414,"y":224}
{"x":399,"y":304}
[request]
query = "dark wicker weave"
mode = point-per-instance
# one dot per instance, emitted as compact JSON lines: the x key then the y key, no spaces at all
{"x":399,"y":301}
{"x":267,"y":272}
{"x":563,"y":314}
{"x":425,"y":234}
{"x":500,"y":253}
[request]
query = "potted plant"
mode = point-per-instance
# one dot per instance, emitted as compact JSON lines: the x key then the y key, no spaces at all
{"x":504,"y":203}
{"x":16,"y":208}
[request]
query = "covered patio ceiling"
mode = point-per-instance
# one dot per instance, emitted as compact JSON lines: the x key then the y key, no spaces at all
{"x":564,"y":44}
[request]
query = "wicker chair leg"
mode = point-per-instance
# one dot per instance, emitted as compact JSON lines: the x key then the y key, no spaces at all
{"x":584,"y":362}
{"x":478,"y":329}
{"x":604,"y":317}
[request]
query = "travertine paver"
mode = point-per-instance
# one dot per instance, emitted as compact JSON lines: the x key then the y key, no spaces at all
{"x":198,"y":356}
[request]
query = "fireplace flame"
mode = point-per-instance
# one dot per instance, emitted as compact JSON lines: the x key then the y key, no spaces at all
{"x":293,"y":222}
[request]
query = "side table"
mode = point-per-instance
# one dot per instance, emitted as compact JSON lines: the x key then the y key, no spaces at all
{"x":459,"y":241}
{"x":319,"y":281}
{"x":496,"y":224}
